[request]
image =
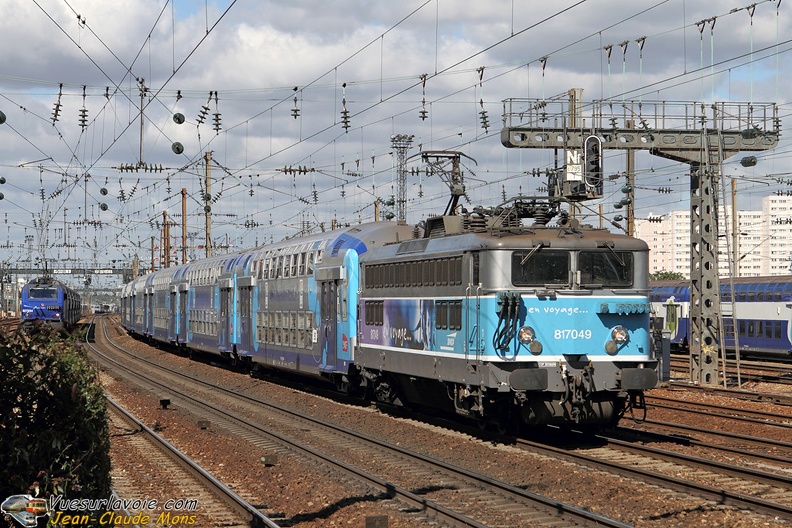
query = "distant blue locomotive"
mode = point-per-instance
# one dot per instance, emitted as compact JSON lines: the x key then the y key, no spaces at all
{"x":763,"y":306}
{"x":51,"y":302}
{"x":474,"y":314}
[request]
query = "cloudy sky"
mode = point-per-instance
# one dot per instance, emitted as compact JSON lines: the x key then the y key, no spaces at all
{"x":263,"y":86}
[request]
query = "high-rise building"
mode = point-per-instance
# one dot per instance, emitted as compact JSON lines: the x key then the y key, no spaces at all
{"x":762,"y":245}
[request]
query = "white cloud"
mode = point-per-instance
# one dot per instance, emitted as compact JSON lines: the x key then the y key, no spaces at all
{"x":258,"y":52}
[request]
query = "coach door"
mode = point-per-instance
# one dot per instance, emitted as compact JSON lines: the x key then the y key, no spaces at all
{"x":150,"y":307}
{"x":184,"y":314}
{"x":226,"y":313}
{"x":173,"y":315}
{"x":329,"y":280}
{"x":245,"y":311}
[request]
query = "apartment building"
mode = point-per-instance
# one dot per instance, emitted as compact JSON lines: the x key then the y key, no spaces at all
{"x":763,"y":241}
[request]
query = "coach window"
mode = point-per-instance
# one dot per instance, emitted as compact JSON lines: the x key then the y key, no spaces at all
{"x":786,"y":291}
{"x":310,"y":262}
{"x":287,"y":266}
{"x":728,"y":328}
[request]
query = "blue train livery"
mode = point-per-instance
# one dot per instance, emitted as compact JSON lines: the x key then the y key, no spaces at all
{"x":49,"y":301}
{"x":762,"y":306}
{"x":472,"y":313}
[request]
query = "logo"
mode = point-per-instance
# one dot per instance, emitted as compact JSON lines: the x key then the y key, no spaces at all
{"x":24,"y":509}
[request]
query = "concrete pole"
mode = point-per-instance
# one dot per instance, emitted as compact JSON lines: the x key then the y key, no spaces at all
{"x":184,"y":225}
{"x":207,"y":206}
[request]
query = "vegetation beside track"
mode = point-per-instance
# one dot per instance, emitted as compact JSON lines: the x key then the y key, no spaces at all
{"x":54,"y":436}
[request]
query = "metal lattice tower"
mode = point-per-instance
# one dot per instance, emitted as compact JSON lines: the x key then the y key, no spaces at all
{"x":701,"y":135}
{"x":401,"y":144}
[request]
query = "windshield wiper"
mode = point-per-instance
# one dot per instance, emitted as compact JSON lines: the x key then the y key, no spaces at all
{"x":609,"y":247}
{"x":534,"y":249}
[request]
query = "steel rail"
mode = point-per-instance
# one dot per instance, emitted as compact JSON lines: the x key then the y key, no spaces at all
{"x":244,"y":509}
{"x":552,"y":506}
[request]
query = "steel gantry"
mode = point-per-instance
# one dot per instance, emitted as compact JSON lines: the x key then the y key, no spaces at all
{"x":699,"y":134}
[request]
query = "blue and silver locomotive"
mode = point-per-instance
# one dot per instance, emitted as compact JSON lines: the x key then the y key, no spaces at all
{"x":474,"y":313}
{"x":49,"y":301}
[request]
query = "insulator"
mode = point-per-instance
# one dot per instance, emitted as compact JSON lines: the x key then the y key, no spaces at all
{"x":484,"y":120}
{"x":202,"y":114}
{"x":103,"y":206}
{"x":626,"y":189}
{"x":177,"y":148}
{"x":2,"y":180}
{"x":618,"y":218}
{"x":295,"y":112}
{"x":217,"y":122}
{"x":423,"y":114}
{"x":2,"y":118}
{"x":103,"y":191}
{"x":83,"y":118}
{"x":178,"y":118}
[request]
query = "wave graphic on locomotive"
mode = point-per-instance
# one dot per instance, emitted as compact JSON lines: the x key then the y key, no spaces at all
{"x":49,"y":301}
{"x":474,"y":313}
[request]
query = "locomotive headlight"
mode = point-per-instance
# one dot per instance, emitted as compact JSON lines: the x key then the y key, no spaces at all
{"x":526,"y":335}
{"x":619,"y":335}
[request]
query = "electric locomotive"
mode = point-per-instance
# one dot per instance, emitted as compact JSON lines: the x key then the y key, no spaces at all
{"x":508,"y":324}
{"x":49,"y":301}
{"x":474,"y":313}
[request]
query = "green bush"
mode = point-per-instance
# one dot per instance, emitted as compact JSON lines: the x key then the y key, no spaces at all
{"x":54,"y":437}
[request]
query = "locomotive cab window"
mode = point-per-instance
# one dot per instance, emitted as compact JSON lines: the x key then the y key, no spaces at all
{"x":43,"y":293}
{"x":540,"y":268}
{"x":608,"y":268}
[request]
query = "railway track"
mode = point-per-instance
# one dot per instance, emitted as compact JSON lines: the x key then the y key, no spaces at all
{"x":764,"y":418}
{"x":465,"y":487}
{"x":221,"y":505}
{"x":752,"y":490}
{"x":738,"y":394}
{"x":750,"y":371}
